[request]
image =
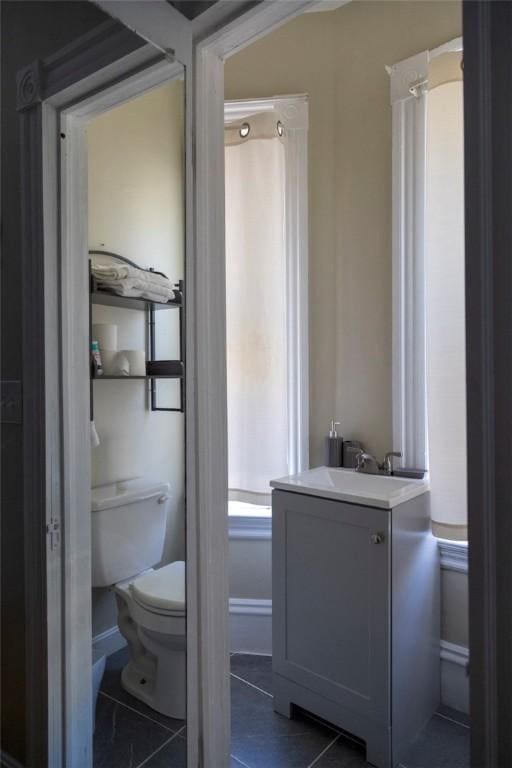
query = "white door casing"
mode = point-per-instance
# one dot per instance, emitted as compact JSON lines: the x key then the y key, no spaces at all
{"x":220,"y":35}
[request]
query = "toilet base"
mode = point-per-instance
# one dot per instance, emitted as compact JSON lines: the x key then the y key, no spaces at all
{"x":156,"y":673}
{"x":137,"y":685}
{"x":170,"y":702}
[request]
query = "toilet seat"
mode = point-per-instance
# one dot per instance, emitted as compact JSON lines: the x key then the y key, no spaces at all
{"x":162,"y":591}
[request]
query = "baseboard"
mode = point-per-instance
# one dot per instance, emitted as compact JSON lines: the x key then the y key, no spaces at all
{"x":453,"y":555}
{"x":243,"y":527}
{"x":454,"y":676}
{"x":6,"y":761}
{"x":109,"y":641}
{"x":250,"y":625}
{"x":251,"y":632}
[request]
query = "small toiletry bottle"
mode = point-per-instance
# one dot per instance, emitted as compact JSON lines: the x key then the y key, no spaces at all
{"x":350,"y":450}
{"x":334,"y":446}
{"x":96,"y":358}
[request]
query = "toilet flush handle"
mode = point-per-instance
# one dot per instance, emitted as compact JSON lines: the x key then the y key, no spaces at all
{"x":162,"y":499}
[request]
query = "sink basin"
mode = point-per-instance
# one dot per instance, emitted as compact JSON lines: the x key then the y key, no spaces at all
{"x":356,"y":487}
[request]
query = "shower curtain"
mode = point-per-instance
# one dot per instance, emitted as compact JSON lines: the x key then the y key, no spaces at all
{"x":257,"y":371}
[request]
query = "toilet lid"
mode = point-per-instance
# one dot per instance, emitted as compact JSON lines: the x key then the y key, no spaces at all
{"x":163,"y":589}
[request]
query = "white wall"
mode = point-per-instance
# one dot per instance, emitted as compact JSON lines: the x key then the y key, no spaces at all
{"x":136,"y":209}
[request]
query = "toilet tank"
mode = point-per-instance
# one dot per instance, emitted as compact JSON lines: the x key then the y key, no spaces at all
{"x":127,"y":529}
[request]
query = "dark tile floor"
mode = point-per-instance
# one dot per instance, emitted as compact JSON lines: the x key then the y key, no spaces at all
{"x":131,"y":735}
{"x":128,"y":733}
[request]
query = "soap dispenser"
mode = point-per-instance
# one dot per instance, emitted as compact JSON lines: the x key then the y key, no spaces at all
{"x":334,"y":446}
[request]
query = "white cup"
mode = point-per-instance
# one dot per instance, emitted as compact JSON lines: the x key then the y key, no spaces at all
{"x":136,"y":360}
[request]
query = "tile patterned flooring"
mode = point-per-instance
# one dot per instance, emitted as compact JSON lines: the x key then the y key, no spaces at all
{"x":131,"y":735}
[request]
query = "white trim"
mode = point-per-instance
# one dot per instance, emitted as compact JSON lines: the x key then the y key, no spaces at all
{"x":243,"y":527}
{"x":109,"y":641}
{"x":408,"y":345}
{"x":406,"y":73}
{"x":250,"y":606}
{"x":107,"y":634}
{"x":210,"y":407}
{"x":210,"y":337}
{"x":454,"y":556}
{"x":54,"y":443}
{"x":454,"y":676}
{"x":455,"y":654}
{"x":250,"y":625}
{"x":295,"y":112}
{"x":452,"y":46}
{"x":296,"y":116}
{"x":67,"y":113}
{"x":294,"y":107}
{"x":251,"y":632}
{"x":76,"y":455}
{"x":408,"y":80}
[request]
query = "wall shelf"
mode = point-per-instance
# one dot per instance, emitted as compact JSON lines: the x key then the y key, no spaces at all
{"x":105,"y":298}
{"x":106,"y":377}
{"x":100,"y":296}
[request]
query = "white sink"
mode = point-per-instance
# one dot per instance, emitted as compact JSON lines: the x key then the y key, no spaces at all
{"x":352,"y":486}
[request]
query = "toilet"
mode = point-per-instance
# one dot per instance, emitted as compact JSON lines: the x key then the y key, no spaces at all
{"x":128,"y":521}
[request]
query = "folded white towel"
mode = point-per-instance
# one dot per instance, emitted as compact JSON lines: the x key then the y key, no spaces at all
{"x":125,"y":280}
{"x":133,"y":287}
{"x":115,"y":272}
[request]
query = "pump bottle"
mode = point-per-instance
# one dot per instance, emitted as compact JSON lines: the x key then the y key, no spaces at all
{"x":334,"y":447}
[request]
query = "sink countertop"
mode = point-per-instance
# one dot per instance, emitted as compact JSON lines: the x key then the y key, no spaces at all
{"x":381,"y":491}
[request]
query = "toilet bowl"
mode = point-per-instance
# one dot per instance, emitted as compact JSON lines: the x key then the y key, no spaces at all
{"x":152,"y":619}
{"x":128,"y":531}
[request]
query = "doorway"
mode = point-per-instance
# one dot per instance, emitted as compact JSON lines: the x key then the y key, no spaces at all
{"x":351,"y":376}
{"x":136,"y":237}
{"x":210,"y":76}
{"x":123,"y":404}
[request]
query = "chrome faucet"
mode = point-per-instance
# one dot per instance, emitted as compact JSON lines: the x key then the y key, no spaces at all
{"x":387,"y":464}
{"x":369,"y":465}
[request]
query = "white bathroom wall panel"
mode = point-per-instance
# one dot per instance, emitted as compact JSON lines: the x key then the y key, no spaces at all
{"x":136,"y":209}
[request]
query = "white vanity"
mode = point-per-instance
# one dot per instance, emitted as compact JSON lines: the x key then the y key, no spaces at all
{"x":356,"y":605}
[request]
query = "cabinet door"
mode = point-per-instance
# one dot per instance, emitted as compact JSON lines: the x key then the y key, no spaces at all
{"x":331,"y":603}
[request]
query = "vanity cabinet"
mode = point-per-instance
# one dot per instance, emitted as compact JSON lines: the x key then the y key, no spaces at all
{"x":356,"y":617}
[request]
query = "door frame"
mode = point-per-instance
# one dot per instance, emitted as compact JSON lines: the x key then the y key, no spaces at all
{"x":217,"y":35}
{"x":487,"y":31}
{"x":55,"y":96}
{"x":72,"y":298}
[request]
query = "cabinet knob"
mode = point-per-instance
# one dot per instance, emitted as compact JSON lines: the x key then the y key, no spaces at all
{"x":376,"y":538}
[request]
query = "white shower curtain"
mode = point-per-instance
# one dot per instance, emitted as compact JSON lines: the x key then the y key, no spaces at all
{"x":445,"y":299}
{"x":256,"y":312}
